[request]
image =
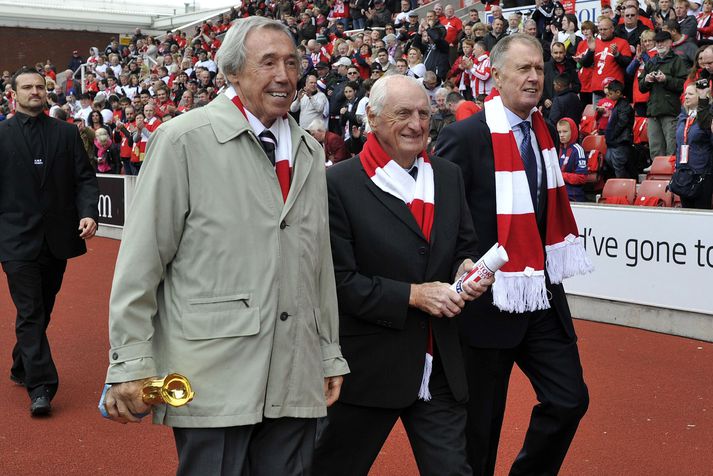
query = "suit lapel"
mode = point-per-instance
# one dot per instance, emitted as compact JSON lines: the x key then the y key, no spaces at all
{"x":440,"y":214}
{"x":394,"y":205}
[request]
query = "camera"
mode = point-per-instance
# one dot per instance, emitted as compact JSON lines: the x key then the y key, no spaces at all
{"x":702,"y":84}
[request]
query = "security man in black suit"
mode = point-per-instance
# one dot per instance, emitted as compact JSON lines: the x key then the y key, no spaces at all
{"x":48,"y":207}
{"x":542,"y":343}
{"x":392,"y":289}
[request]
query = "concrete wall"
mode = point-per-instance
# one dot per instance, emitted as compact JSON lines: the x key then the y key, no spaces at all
{"x":657,"y":319}
{"x":27,"y":46}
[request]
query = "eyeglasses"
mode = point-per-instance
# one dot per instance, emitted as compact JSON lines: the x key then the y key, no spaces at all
{"x":352,"y":72}
{"x":629,"y":16}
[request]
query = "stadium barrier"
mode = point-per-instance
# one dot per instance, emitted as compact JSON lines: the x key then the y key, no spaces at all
{"x":653,"y":266}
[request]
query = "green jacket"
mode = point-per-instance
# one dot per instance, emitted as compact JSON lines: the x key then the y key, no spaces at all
{"x":221,"y":281}
{"x":665,"y":99}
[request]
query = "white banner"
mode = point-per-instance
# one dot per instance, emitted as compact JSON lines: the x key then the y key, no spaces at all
{"x":653,"y":256}
{"x":586,"y":10}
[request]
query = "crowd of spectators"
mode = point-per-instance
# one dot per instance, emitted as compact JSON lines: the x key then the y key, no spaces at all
{"x":632,"y":66}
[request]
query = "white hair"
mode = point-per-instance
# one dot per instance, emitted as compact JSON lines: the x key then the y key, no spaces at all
{"x":379,"y":91}
{"x":317,"y":125}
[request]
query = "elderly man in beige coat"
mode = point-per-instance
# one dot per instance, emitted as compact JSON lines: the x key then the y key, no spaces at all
{"x":225,"y":273}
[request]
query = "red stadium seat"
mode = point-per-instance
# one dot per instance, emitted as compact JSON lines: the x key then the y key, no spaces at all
{"x":595,"y":147}
{"x":662,"y":167}
{"x":588,"y":124}
{"x":595,"y":142}
{"x":641,"y":130}
{"x":619,"y":191}
{"x":653,"y":193}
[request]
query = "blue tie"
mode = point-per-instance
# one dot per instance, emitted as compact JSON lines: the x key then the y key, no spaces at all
{"x":529,"y":161}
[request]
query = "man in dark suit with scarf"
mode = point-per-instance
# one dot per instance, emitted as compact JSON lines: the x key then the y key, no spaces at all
{"x":48,"y":207}
{"x":400,"y":231}
{"x":517,"y":198}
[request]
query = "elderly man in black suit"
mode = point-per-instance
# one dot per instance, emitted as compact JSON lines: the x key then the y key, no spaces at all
{"x":48,"y":207}
{"x":517,"y":198}
{"x":400,"y":231}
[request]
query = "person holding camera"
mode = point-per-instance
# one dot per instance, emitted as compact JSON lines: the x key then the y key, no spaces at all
{"x":310,"y":103}
{"x":663,"y":77}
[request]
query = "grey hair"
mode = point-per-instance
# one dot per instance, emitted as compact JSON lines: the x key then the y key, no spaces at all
{"x":499,"y":53}
{"x":233,"y":53}
{"x":317,"y":125}
{"x":377,"y":96}
{"x":441,"y":92}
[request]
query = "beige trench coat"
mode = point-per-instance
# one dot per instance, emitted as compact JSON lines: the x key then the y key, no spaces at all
{"x":221,"y":281}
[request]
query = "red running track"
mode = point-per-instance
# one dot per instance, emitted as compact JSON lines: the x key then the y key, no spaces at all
{"x":651,"y":407}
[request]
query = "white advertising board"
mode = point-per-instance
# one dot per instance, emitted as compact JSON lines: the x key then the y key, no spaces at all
{"x":653,"y":256}
{"x":585,"y":10}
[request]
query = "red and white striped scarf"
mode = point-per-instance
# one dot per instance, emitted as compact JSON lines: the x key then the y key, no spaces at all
{"x":419,"y":196}
{"x":703,"y":21}
{"x":520,"y":284}
{"x":283,"y":154}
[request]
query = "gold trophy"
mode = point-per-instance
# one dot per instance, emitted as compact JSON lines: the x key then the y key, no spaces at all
{"x":173,"y":389}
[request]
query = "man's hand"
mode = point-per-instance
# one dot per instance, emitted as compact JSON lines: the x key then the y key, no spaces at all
{"x":437,"y":299}
{"x":87,"y":228}
{"x":548,"y":103}
{"x":332,"y":387}
{"x":123,"y":401}
{"x":614,"y":50}
{"x":471,"y":290}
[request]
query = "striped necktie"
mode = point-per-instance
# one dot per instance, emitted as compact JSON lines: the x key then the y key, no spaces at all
{"x":529,"y":161}
{"x":269,"y":143}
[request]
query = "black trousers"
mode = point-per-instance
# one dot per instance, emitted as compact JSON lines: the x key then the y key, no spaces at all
{"x":352,"y":435}
{"x":33,"y":287}
{"x":550,"y":360}
{"x":281,"y":446}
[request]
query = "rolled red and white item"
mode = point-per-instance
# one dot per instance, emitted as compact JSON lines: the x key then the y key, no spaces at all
{"x":484,"y":268}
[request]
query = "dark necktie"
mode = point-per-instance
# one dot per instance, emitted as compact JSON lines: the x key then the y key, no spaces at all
{"x":413,"y":172}
{"x":36,"y":142}
{"x":269,"y":143}
{"x":529,"y":161}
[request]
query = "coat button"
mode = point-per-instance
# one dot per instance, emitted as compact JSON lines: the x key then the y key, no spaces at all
{"x":284,"y":316}
{"x":283,"y":225}
{"x":115,"y":356}
{"x":422,"y":250}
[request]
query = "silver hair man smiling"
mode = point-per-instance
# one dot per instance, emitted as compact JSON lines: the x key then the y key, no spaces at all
{"x":225,"y":273}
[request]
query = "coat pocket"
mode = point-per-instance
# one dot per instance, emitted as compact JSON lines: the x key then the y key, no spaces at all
{"x":220,"y":316}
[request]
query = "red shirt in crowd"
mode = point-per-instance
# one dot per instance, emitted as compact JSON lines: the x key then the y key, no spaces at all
{"x":605,"y":65}
{"x":453,"y":27}
{"x":465,"y":110}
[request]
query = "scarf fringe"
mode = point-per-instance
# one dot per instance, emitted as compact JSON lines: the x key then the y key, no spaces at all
{"x":423,"y":392}
{"x":520,"y":293}
{"x":567,"y":259}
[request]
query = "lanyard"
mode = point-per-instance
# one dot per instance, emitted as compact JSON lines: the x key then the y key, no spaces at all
{"x":689,"y":122}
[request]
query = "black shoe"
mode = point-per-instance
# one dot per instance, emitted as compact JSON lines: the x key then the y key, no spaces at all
{"x":17,"y":380}
{"x":40,"y":406}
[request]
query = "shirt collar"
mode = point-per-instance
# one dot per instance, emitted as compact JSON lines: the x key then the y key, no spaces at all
{"x":258,"y":127}
{"x":26,"y":119}
{"x":514,"y":119}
